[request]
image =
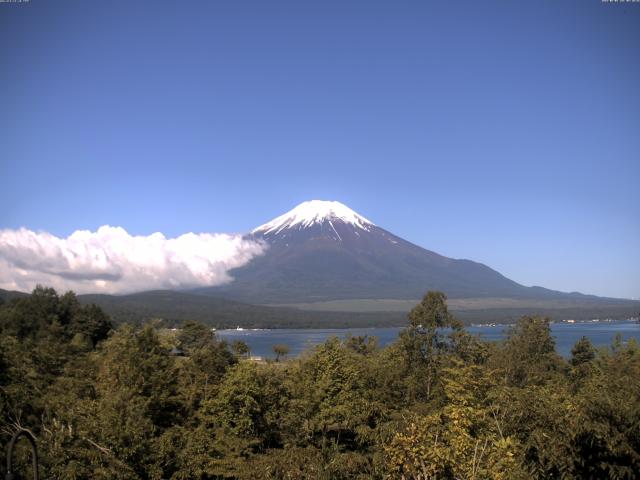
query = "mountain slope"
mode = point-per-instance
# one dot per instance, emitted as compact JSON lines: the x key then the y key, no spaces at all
{"x":323,"y":251}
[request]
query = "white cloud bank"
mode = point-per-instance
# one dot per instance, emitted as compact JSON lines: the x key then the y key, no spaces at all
{"x":112,"y":261}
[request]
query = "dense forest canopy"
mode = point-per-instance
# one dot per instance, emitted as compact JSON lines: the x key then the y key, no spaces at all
{"x":143,"y":402}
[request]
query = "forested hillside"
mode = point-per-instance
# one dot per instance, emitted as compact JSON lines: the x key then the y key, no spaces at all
{"x":176,"y":307}
{"x":173,"y":308}
{"x":149,"y":403}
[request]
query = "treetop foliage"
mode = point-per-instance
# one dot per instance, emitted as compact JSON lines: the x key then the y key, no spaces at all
{"x":439,"y":403}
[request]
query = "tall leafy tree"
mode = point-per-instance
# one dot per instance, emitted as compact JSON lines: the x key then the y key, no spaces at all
{"x":529,"y":355}
{"x":424,"y":343}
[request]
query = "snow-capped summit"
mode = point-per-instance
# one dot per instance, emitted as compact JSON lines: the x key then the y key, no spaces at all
{"x":315,"y":212}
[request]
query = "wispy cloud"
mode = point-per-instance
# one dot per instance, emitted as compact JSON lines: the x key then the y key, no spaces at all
{"x":111,"y":260}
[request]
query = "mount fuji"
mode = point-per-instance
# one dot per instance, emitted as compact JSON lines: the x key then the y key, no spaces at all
{"x":324,"y":251}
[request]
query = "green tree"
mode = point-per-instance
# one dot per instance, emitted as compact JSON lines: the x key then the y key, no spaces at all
{"x":582,"y":352}
{"x":199,"y":373}
{"x":364,"y":345}
{"x":529,"y":355}
{"x":32,"y":317}
{"x":424,"y":343}
{"x":606,"y":437}
{"x":240,"y":348}
{"x":241,"y":421}
{"x":193,"y":335}
{"x":331,"y":402}
{"x":281,"y":351}
{"x":461,"y":440}
{"x":91,"y":322}
{"x":135,"y":399}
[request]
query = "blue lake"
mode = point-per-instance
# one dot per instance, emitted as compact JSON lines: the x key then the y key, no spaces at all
{"x":261,"y":342}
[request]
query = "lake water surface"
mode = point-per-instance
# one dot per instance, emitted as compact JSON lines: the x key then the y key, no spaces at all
{"x":261,"y":342}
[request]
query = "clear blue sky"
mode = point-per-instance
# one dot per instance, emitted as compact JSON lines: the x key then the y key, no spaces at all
{"x":504,"y":132}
